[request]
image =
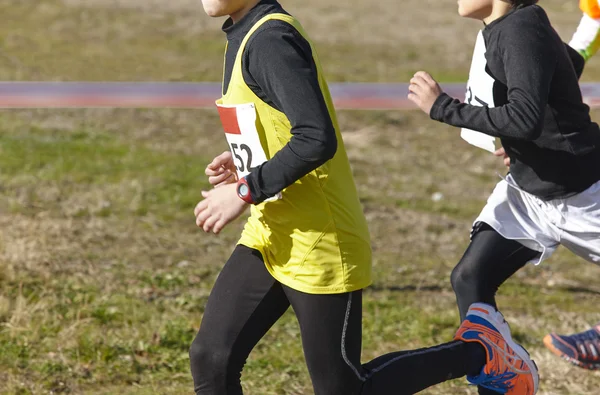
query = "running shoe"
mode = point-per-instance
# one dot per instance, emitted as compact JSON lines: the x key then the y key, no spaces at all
{"x":581,"y":349}
{"x":509,"y":369}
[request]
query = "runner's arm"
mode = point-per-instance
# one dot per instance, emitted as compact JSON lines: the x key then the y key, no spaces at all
{"x":529,"y":64}
{"x":280,"y":63}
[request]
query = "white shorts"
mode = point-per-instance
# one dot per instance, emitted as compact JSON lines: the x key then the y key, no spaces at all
{"x":542,"y":225}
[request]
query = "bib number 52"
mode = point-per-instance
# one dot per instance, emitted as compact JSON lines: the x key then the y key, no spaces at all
{"x":240,"y":165}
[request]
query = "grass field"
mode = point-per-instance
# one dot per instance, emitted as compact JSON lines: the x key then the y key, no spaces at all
{"x":103,"y":275}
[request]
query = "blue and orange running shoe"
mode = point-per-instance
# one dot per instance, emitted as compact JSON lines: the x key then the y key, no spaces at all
{"x":509,"y":369}
{"x":581,"y":349}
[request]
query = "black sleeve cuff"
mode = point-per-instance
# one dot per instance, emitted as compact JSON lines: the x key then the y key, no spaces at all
{"x":255,"y":192}
{"x":437,"y":110}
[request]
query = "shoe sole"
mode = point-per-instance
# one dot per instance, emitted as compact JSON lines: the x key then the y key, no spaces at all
{"x":573,"y":361}
{"x":518,"y":349}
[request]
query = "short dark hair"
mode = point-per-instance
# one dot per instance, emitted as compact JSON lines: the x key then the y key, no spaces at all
{"x":517,"y":3}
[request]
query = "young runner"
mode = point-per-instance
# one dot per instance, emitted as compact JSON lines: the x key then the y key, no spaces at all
{"x":523,"y":89}
{"x":582,"y":349}
{"x":306,"y":243}
{"x":586,"y":39}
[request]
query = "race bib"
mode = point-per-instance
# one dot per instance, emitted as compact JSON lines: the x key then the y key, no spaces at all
{"x":480,"y":92}
{"x":239,"y":124}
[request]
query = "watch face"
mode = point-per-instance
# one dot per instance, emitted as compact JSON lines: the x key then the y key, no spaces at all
{"x":243,"y":190}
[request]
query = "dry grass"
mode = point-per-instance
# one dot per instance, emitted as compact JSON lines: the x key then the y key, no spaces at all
{"x":103,"y":277}
{"x":173,"y":40}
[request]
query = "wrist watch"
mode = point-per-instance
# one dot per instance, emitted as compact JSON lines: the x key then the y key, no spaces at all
{"x":243,"y":191}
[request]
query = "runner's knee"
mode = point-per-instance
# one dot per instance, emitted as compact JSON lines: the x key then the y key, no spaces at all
{"x":462,"y":279}
{"x":209,"y":361}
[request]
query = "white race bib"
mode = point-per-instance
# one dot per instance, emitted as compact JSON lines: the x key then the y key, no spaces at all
{"x":239,"y":124}
{"x":480,"y":92}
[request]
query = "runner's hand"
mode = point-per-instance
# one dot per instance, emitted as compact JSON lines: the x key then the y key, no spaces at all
{"x":221,"y":171}
{"x":219,"y":207}
{"x":423,"y":91}
{"x":501,"y":152}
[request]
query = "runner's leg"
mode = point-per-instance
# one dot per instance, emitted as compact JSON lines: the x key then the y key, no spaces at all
{"x":488,"y":262}
{"x":331,"y":336}
{"x":244,"y":303}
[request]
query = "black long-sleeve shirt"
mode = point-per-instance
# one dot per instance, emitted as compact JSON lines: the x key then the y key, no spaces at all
{"x":278,"y":66}
{"x":541,"y":119}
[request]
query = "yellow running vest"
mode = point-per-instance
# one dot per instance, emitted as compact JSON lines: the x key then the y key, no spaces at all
{"x":313,"y":238}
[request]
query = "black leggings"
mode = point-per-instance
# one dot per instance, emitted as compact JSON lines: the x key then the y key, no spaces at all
{"x":488,"y":262}
{"x":246,"y":301}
